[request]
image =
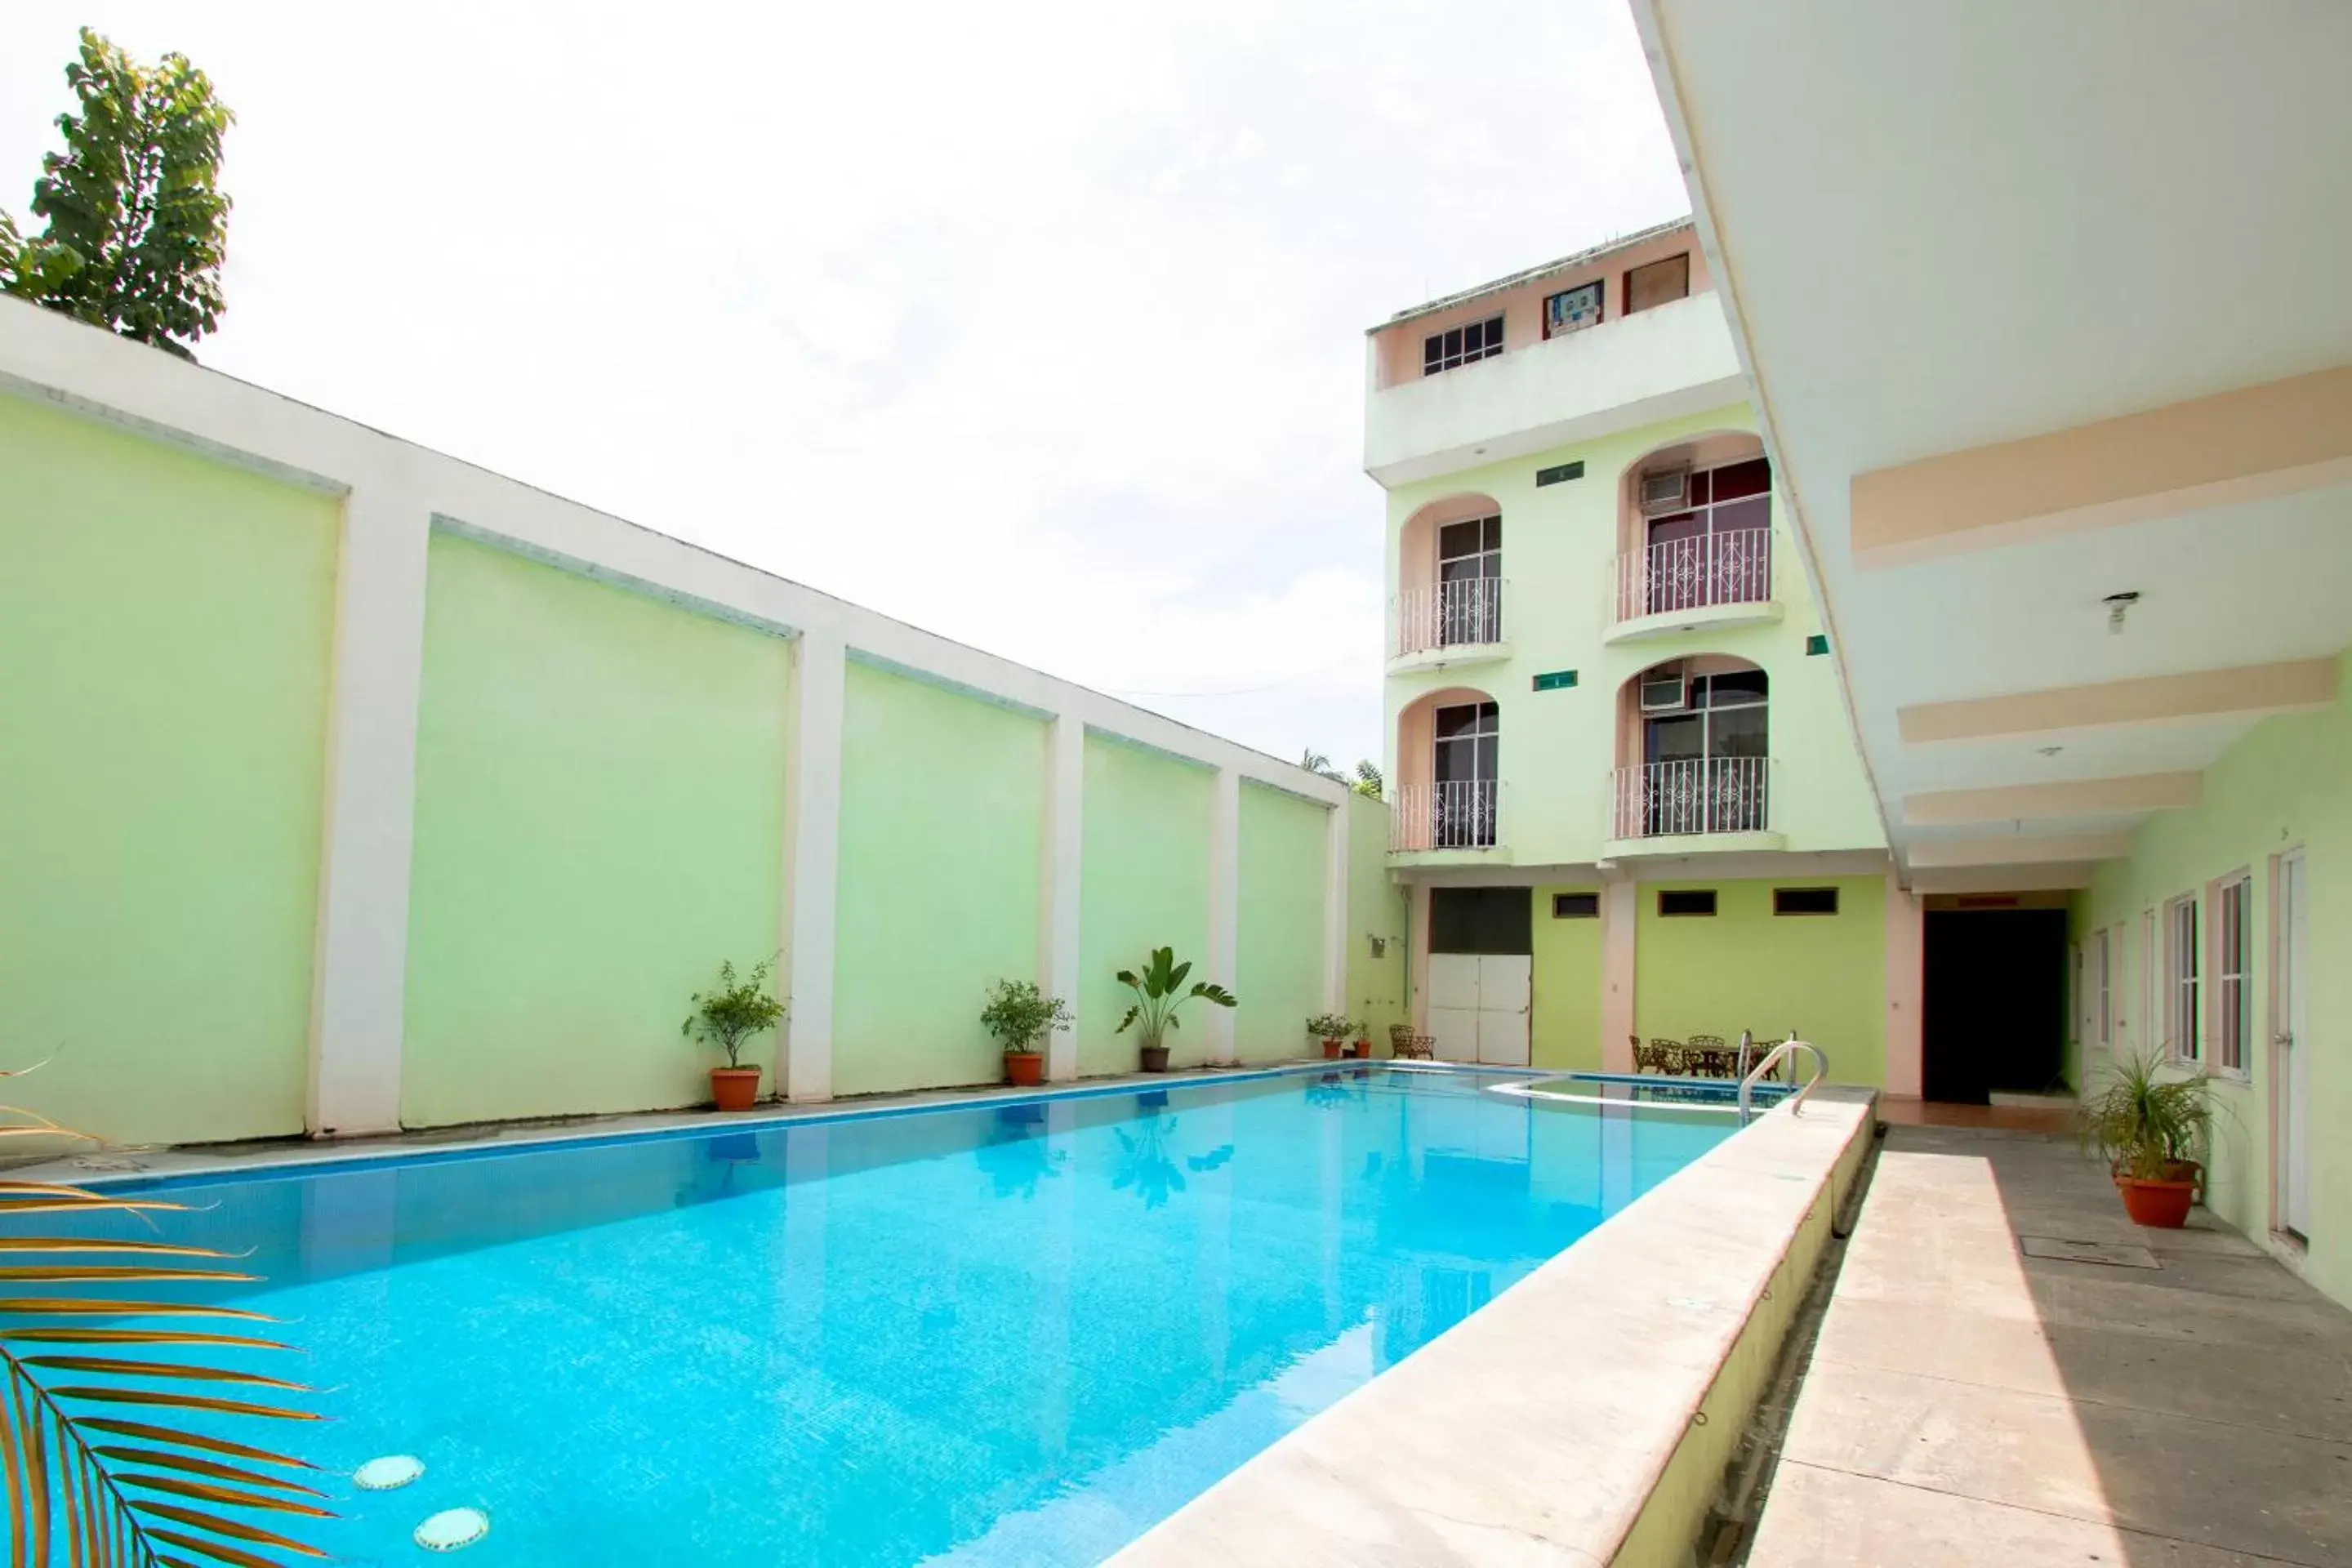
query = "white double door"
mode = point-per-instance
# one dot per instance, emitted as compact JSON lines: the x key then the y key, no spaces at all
{"x":1478,"y":1006}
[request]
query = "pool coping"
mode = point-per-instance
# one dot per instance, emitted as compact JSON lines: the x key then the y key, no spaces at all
{"x":1584,"y":1415}
{"x":181,"y":1164}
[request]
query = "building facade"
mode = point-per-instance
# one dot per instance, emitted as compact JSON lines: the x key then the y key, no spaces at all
{"x":1626,"y":802}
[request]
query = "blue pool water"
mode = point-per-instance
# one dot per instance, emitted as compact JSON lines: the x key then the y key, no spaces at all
{"x":1015,"y":1334}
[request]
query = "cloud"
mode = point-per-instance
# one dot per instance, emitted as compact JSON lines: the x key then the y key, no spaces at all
{"x":1040,"y":324}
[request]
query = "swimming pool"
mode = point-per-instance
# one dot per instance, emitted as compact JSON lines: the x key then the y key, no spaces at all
{"x":1016,"y":1334}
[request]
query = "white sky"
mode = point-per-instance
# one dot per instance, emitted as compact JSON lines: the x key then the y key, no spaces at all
{"x":1037,"y":324}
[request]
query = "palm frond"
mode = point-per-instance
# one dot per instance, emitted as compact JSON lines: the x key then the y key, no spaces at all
{"x":174,"y":1495}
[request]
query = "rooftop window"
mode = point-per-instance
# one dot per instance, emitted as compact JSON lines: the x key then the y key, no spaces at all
{"x":1461,"y":345}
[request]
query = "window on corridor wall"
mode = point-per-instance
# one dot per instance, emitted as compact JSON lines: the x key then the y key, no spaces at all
{"x":2183,"y":1037}
{"x":2233,"y":1012}
{"x":2103,"y":989}
{"x":1461,"y":345}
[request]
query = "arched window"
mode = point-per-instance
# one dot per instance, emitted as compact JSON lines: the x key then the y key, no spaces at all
{"x":1698,"y":528}
{"x":1703,"y":762}
{"x":1449,"y":772}
{"x":1449,"y":577}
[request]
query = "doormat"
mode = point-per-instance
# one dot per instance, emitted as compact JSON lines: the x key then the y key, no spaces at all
{"x":2114,"y":1254}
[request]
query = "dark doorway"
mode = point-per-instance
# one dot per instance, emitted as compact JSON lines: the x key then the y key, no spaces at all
{"x":1994,"y":1013}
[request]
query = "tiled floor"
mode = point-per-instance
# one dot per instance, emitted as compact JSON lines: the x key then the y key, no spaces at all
{"x":1972,"y":1400}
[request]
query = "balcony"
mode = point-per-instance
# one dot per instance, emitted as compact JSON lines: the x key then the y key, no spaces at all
{"x":1659,"y":363}
{"x":1701,"y":805}
{"x":1719,"y":579}
{"x":1450,"y":820}
{"x":1447,"y":623}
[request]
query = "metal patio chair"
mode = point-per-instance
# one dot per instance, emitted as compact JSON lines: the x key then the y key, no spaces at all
{"x":1406,"y":1045}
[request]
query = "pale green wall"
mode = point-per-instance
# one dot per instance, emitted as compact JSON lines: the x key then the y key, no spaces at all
{"x":1144,"y":884}
{"x":1376,"y":907}
{"x":599,"y":821}
{"x":166,"y":635}
{"x":1565,"y":1028}
{"x":1746,"y":968}
{"x":1558,"y":747}
{"x":1283,"y":852}
{"x":942,"y":807}
{"x":2280,"y":787}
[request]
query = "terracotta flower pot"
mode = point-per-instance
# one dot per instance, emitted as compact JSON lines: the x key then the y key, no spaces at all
{"x":2160,"y":1205}
{"x":735,"y":1088}
{"x":1331,"y":1049}
{"x":1024,"y":1069}
{"x":1155,"y":1058}
{"x":1363,"y":1048}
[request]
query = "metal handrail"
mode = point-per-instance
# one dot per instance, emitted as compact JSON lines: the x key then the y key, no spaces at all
{"x":1771,"y":1059}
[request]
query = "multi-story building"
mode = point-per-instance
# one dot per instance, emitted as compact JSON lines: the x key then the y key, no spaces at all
{"x":1627,"y":801}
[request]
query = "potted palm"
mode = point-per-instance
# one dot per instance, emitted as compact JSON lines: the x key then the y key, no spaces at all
{"x":1160,"y":991}
{"x":726,"y":1016}
{"x":1020,"y":1016}
{"x":2150,"y":1129}
{"x":1332,"y":1030}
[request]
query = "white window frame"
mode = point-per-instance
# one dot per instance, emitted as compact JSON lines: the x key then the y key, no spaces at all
{"x":2232,"y":991}
{"x":1435,"y":358}
{"x":2103,"y":986}
{"x":2184,"y":1019}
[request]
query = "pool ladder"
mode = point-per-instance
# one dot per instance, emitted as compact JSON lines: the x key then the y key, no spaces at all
{"x":1749,"y":1077}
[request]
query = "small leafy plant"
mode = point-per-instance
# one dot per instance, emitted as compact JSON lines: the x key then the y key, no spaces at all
{"x":1019,"y":1015}
{"x":1331,"y":1026}
{"x":734,"y":1010}
{"x":1159,"y":992}
{"x":2144,"y":1125}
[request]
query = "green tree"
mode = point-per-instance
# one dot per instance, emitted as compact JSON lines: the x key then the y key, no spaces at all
{"x":138,"y":223}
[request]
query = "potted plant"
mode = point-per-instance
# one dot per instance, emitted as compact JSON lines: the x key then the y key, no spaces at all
{"x":1332,"y":1030}
{"x":1364,"y":1046}
{"x":726,"y":1016}
{"x":1020,"y":1016}
{"x":1159,"y":991}
{"x":2150,"y":1129}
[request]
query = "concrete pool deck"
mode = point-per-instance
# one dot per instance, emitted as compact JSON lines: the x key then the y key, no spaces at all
{"x":1977,"y":1396}
{"x":1585,"y":1416}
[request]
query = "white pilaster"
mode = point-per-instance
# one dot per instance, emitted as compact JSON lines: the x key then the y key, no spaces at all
{"x":359,"y":954}
{"x":1335,"y":909}
{"x":812,"y":866}
{"x":1059,"y":884}
{"x":1224,"y":909}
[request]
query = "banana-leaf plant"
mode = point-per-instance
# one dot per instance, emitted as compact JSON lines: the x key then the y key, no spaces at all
{"x":1160,"y":991}
{"x":99,"y":1463}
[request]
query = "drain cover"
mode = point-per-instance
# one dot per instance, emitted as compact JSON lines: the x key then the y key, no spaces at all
{"x":2114,"y":1254}
{"x":453,"y":1528}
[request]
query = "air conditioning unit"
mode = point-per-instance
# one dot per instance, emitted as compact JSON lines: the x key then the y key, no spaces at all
{"x":1665,"y":691}
{"x":1668,"y":490}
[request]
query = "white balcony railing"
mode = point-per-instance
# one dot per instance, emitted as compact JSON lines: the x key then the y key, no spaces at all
{"x":1465,"y":614}
{"x":1458,"y":814}
{"x":1731,"y":566}
{"x":1711,"y":794}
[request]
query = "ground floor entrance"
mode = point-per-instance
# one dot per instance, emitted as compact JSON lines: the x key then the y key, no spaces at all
{"x":1993,"y":1005}
{"x":1481,"y":975}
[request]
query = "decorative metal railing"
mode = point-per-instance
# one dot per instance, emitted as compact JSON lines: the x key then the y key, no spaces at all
{"x":1462,"y":614}
{"x":1458,"y":814}
{"x":1710,"y":794}
{"x":1732,"y":566}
